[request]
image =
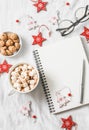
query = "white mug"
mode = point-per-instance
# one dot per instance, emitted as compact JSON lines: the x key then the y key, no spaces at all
{"x":15,"y":90}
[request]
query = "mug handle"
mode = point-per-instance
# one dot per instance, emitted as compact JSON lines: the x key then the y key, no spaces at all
{"x":11,"y":92}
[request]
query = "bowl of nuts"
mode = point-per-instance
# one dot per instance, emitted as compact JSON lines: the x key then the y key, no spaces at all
{"x":23,"y":78}
{"x":10,"y":44}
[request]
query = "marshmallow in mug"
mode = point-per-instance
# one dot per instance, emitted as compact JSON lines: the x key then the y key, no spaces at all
{"x":32,"y":73}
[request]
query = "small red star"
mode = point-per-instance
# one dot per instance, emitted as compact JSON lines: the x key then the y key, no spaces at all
{"x":85,"y":33}
{"x":4,"y":67}
{"x":38,"y":39}
{"x":41,"y":5}
{"x":68,"y":123}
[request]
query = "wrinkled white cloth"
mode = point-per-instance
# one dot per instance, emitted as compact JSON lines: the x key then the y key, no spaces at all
{"x":10,"y":117}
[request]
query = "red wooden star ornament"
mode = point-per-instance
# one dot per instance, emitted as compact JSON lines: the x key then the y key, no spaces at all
{"x":68,"y":123}
{"x":85,"y":33}
{"x":38,"y":39}
{"x":4,"y":67}
{"x":40,"y":5}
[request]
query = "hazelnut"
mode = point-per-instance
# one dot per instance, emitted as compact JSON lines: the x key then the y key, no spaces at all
{"x":9,"y":42}
{"x":9,"y":53}
{"x":17,"y":45}
{"x":3,"y":51}
{"x":2,"y":43}
{"x":12,"y":49}
{"x":13,"y":36}
{"x":16,"y":40}
{"x":8,"y":34}
{"x":3,"y":36}
{"x":3,"y":47}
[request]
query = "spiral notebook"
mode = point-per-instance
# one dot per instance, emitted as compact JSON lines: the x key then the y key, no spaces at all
{"x":60,"y":66}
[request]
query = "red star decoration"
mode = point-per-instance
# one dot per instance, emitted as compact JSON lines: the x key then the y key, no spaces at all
{"x":4,"y":67}
{"x":41,"y":5}
{"x":38,"y":39}
{"x":68,"y":123}
{"x":85,"y":33}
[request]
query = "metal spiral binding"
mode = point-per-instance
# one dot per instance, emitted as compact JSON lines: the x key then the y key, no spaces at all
{"x":44,"y":81}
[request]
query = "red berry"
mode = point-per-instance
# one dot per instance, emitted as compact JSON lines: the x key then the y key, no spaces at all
{"x":17,"y":21}
{"x":68,"y":3}
{"x":34,"y":116}
{"x":69,"y":94}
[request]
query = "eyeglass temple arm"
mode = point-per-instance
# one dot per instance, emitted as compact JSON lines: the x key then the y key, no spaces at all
{"x":60,"y":29}
{"x":86,"y":9}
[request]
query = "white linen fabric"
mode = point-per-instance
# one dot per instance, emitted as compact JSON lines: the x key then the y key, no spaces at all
{"x":10,"y":117}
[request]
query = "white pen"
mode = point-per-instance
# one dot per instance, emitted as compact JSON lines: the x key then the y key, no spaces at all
{"x":82,"y":83}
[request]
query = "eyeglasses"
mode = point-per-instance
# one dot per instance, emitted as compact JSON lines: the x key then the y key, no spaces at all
{"x":67,"y":26}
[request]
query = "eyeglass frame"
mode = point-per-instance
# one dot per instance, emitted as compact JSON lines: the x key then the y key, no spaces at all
{"x":74,"y":24}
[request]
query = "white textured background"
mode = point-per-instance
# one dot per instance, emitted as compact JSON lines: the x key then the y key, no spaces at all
{"x":10,"y":118}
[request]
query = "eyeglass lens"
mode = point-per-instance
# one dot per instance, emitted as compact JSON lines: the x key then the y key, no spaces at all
{"x":65,"y":26}
{"x":81,"y":12}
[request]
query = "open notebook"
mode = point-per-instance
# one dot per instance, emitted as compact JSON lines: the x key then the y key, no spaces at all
{"x":60,"y":66}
